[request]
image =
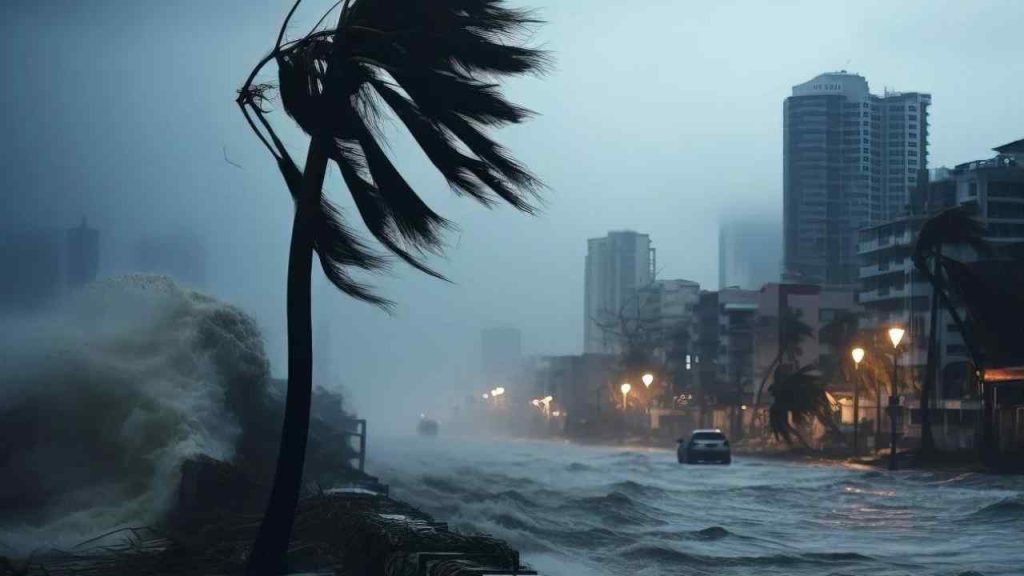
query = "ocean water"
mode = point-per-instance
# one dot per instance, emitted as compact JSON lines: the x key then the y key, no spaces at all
{"x":574,"y":510}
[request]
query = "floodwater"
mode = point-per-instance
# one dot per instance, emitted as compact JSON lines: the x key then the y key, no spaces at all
{"x":575,"y":510}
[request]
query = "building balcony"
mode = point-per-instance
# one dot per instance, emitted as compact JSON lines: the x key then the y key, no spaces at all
{"x":878,"y":295}
{"x":901,"y":266}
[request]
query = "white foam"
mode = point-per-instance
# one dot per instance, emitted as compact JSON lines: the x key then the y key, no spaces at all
{"x":102,"y":399}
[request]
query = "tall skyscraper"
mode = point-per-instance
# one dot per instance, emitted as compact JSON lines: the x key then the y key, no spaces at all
{"x":617,"y":267}
{"x":851,"y":159}
{"x":749,"y":252}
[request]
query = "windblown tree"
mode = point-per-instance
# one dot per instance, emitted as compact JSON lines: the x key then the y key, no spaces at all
{"x":940,"y":238}
{"x":798,"y":399}
{"x":637,"y":335}
{"x":791,"y":331}
{"x":433,"y":65}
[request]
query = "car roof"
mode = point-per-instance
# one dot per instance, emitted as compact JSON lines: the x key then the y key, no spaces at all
{"x":708,"y":431}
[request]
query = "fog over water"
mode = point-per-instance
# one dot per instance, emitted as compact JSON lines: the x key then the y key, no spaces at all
{"x":657,"y":116}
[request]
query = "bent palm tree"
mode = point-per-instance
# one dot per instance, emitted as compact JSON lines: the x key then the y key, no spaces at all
{"x":426,"y":63}
{"x":949,"y":229}
{"x":792,"y":331}
{"x":797,"y":399}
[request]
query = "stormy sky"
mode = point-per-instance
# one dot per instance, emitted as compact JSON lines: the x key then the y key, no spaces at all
{"x":658,"y":116}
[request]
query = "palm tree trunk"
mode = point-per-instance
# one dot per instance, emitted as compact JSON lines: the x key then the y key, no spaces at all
{"x":931,"y":371}
{"x":760,"y":390}
{"x":269,"y":555}
{"x":977,"y":360}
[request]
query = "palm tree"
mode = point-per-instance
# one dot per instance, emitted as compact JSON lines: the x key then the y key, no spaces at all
{"x":433,"y":66}
{"x":841,"y":334}
{"x":952,"y":228}
{"x":797,"y":399}
{"x":791,"y":332}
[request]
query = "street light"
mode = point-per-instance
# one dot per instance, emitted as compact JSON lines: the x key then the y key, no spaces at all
{"x":895,"y":336}
{"x":648,"y":379}
{"x":858,"y":355}
{"x":625,"y":393}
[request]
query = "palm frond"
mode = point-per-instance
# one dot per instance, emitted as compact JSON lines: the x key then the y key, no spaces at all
{"x":337,"y":247}
{"x":951,"y":227}
{"x":798,"y":399}
{"x":433,"y":64}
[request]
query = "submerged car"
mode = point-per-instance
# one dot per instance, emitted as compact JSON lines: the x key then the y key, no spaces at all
{"x":704,"y":446}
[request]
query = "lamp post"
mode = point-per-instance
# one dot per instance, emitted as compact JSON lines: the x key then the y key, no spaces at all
{"x":625,"y":388}
{"x":858,"y":355}
{"x":648,"y":379}
{"x":546,"y":402}
{"x":895,"y":336}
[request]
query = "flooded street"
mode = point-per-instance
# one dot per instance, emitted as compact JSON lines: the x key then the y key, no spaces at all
{"x":577,"y":510}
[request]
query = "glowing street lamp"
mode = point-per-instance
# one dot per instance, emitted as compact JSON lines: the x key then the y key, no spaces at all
{"x":895,"y":336}
{"x":626,"y":387}
{"x":648,"y":379}
{"x":858,"y":355}
{"x":486,"y":396}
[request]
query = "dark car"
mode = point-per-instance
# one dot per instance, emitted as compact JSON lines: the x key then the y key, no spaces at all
{"x":704,"y":446}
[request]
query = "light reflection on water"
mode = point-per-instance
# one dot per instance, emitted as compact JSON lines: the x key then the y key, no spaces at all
{"x":579,"y":509}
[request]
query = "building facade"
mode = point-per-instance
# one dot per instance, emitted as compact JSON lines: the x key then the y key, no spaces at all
{"x":851,"y":160}
{"x":892,"y":291}
{"x":618,"y":266}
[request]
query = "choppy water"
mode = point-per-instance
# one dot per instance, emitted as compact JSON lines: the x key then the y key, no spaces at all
{"x":587,"y":510}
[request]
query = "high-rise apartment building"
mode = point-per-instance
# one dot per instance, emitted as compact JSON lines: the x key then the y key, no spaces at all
{"x":893,"y":291}
{"x":851,"y":160}
{"x":618,"y":266}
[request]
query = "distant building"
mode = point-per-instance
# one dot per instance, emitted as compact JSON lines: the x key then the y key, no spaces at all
{"x":617,"y":267}
{"x":501,"y":356}
{"x":669,"y":308}
{"x":183,"y":258}
{"x":749,"y":253}
{"x":38,"y":266}
{"x":851,"y":160}
{"x":582,"y":387}
{"x":737,"y":341}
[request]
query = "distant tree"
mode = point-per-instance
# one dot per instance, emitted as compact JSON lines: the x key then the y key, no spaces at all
{"x":433,"y":65}
{"x":951,"y":229}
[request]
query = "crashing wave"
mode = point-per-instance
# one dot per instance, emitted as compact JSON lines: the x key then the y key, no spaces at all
{"x":104,"y":398}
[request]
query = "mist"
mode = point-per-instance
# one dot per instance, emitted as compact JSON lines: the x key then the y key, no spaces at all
{"x":660,"y":117}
